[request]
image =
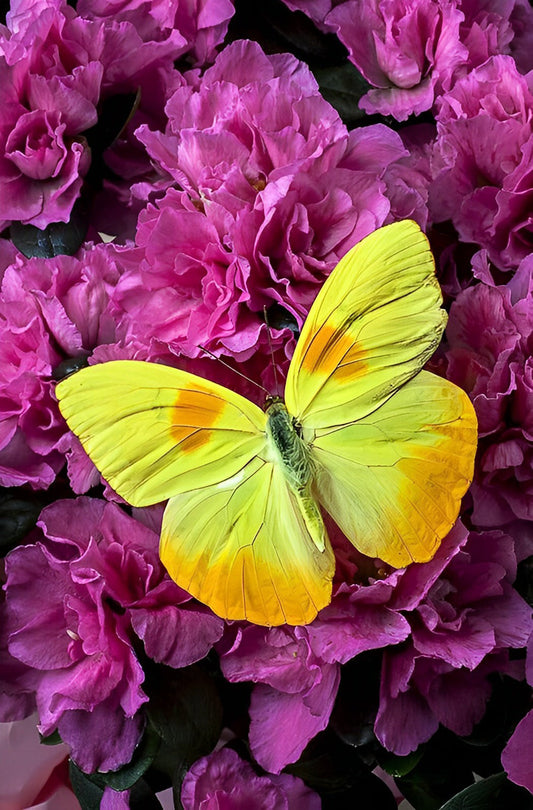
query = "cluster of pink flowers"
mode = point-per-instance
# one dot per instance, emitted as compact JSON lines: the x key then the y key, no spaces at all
{"x":233,"y":188}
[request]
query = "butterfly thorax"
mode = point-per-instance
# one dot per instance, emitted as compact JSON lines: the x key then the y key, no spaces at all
{"x":287,"y":446}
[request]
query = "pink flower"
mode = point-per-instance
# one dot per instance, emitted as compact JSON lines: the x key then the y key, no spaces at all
{"x":17,"y":699}
{"x":97,"y":579}
{"x":489,"y":335}
{"x":460,"y":630}
{"x":49,"y":96}
{"x":486,"y":28}
{"x":408,"y":179}
{"x":201,"y":23}
{"x":317,"y":10}
{"x":297,"y":669}
{"x":50,"y":310}
{"x":454,"y":631}
{"x":42,"y":165}
{"x":55,"y":69}
{"x":482,"y":161}
{"x":272,"y":191}
{"x":493,"y":27}
{"x":521,"y":47}
{"x":516,"y":757}
{"x":223,"y":781}
{"x":409,"y":50}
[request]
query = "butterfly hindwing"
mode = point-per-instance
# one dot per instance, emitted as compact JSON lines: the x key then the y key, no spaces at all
{"x":375,"y":322}
{"x":153,"y":430}
{"x":393,"y":480}
{"x":242,"y":546}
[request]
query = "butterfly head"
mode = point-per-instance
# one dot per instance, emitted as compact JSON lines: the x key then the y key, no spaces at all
{"x":272,"y":400}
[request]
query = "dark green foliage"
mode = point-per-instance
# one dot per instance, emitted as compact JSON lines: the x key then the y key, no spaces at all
{"x":57,"y":238}
{"x":19,"y":512}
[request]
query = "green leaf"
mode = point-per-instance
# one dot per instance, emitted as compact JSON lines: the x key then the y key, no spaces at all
{"x":87,"y":792}
{"x":277,"y":317}
{"x":328,"y":765}
{"x":357,"y":700}
{"x":114,"y":114}
{"x":339,"y":775}
{"x":524,"y":579}
{"x":400,"y":766}
{"x":441,"y":772}
{"x":57,"y":238}
{"x":51,"y":739}
{"x":129,"y":774}
{"x":495,"y":792}
{"x":142,"y":797}
{"x":343,"y":86}
{"x":509,"y":702}
{"x":367,"y":791}
{"x":278,"y":29}
{"x":69,"y":366}
{"x":19,"y":512}
{"x":186,"y":712}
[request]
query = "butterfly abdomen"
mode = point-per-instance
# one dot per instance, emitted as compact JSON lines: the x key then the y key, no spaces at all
{"x":291,"y":452}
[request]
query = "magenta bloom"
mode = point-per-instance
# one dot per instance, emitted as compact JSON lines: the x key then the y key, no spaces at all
{"x":490,"y":349}
{"x":17,"y":699}
{"x":73,"y":601}
{"x":521,"y":46}
{"x":50,"y":310}
{"x":55,"y":68}
{"x":202,"y":24}
{"x":486,"y":28}
{"x":482,"y":161}
{"x":50,"y":81}
{"x":468,"y":615}
{"x":296,"y":669}
{"x":516,"y":757}
{"x":269,"y":191}
{"x":454,"y":630}
{"x":493,"y":27}
{"x":223,"y":781}
{"x":408,"y":50}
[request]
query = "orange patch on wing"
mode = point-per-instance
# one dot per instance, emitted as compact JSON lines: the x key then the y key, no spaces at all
{"x":330,"y":348}
{"x":194,"y":412}
{"x":353,"y":364}
{"x":189,"y":439}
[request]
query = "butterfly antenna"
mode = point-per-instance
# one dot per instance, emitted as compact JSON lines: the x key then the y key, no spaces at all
{"x":269,"y":335}
{"x":235,"y":371}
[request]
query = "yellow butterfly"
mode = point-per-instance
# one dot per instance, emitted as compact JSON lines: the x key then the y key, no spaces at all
{"x":385,"y":448}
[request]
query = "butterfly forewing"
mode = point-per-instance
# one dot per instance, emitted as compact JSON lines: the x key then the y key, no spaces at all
{"x":375,"y":322}
{"x":153,"y":431}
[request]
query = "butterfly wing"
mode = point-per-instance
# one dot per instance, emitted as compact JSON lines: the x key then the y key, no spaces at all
{"x":153,"y":430}
{"x":234,"y":533}
{"x":375,"y":322}
{"x":393,"y":480}
{"x":393,"y":447}
{"x":242,"y":547}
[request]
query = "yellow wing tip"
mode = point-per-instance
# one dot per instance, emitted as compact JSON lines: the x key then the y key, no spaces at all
{"x":252,"y":610}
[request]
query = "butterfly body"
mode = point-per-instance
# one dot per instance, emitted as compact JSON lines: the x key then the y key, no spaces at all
{"x":292,"y":454}
{"x":288,"y":448}
{"x":363,"y":432}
